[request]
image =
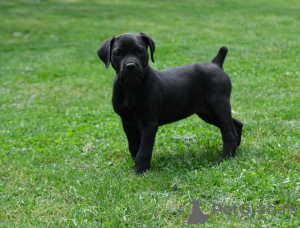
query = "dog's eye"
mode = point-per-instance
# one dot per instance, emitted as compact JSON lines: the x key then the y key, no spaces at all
{"x":117,"y":53}
{"x":140,"y":51}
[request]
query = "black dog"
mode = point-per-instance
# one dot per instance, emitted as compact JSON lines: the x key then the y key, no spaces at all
{"x":145,"y":98}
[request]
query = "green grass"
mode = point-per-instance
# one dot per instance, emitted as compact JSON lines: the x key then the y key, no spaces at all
{"x":64,"y":160}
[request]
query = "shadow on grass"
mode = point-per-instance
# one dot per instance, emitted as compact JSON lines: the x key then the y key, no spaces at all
{"x":190,"y":159}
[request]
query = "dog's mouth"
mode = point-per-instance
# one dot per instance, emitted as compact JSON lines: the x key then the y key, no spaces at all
{"x":131,"y":80}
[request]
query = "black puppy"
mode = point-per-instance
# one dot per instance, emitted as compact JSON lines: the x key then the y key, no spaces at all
{"x":145,"y":98}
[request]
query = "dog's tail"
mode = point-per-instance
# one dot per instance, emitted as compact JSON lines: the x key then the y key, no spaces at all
{"x":219,"y":59}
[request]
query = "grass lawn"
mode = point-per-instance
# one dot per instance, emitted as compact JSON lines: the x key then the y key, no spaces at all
{"x":64,"y":159}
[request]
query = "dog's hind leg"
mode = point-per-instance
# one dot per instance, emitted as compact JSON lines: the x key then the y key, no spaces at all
{"x":238,"y":127}
{"x":218,"y":113}
{"x":222,"y":111}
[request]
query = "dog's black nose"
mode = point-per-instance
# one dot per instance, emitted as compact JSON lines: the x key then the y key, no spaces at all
{"x":130,"y":66}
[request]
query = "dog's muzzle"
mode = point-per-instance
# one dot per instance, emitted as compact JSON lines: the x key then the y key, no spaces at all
{"x":131,"y":74}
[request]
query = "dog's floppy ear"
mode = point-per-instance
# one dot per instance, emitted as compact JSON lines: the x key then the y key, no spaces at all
{"x":149,"y":42}
{"x":104,"y":52}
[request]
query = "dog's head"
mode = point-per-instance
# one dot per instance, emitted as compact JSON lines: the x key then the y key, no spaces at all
{"x":128,"y":55}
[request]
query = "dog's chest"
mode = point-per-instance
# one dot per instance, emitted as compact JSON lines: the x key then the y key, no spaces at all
{"x":130,"y":101}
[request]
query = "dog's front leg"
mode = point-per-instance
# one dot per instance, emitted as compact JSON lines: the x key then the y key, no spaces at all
{"x":143,"y":158}
{"x":132,"y":132}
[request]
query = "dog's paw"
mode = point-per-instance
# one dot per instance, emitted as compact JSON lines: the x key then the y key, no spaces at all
{"x":226,"y":158}
{"x":141,"y":165}
{"x":141,"y":169}
{"x":220,"y":161}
